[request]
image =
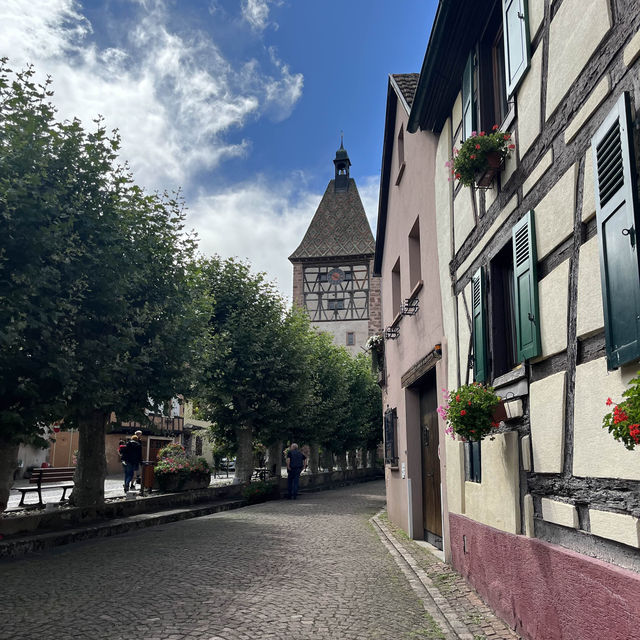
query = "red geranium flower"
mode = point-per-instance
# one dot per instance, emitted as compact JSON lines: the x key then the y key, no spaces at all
{"x":609,"y":402}
{"x":495,"y":127}
{"x":477,"y":146}
{"x":463,"y":413}
{"x":473,"y":156}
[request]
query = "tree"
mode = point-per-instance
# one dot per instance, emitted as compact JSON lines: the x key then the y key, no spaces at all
{"x":100,"y":303}
{"x":251,"y":370}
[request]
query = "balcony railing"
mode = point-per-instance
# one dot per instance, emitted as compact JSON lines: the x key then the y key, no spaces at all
{"x":157,"y":423}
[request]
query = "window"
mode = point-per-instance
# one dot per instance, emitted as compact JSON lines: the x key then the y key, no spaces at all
{"x":351,"y":339}
{"x":617,"y":221}
{"x":472,"y":461}
{"x":414,"y":255}
{"x":522,"y":320}
{"x":396,"y":293}
{"x":503,"y":329}
{"x":390,"y":437}
{"x":401,"y":147}
{"x":335,"y":304}
{"x":495,"y":67}
{"x":198,"y":445}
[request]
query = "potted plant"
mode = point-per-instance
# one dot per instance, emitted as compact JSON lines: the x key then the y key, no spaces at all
{"x":623,"y":422}
{"x":375,"y":345}
{"x":174,"y":471}
{"x":469,"y":411}
{"x":480,"y":157}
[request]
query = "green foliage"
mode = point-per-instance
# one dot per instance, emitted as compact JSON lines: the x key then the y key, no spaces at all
{"x":256,"y":492}
{"x":471,"y":158}
{"x":469,"y":412}
{"x":624,"y":420}
{"x":100,"y":306}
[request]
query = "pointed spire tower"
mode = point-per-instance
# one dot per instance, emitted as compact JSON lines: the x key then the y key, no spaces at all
{"x":333,"y":264}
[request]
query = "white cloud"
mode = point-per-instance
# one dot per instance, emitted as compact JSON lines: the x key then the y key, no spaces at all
{"x":172,"y":97}
{"x":256,"y":13}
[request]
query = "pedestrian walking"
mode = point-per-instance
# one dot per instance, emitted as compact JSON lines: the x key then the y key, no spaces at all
{"x":296,"y":463}
{"x":132,"y":457}
{"x":138,"y":477}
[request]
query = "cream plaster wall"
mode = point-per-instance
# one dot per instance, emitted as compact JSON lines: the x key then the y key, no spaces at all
{"x":590,"y":311}
{"x":615,"y":526}
{"x":528,"y":99}
{"x":572,"y":42}
{"x":537,"y":172}
{"x":589,"y":188}
{"x":554,"y":213}
{"x":496,"y":500}
{"x":546,"y":408}
{"x":463,"y":218}
{"x":595,"y":453}
{"x":553,"y":296}
{"x":339,"y":328}
{"x":536,"y":15}
{"x":595,"y":99}
{"x":560,"y":513}
{"x":632,"y":50}
{"x":455,"y":475}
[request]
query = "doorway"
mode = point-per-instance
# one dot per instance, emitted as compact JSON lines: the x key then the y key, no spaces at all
{"x":431,"y":498}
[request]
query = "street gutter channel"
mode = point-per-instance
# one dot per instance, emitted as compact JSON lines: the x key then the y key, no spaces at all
{"x":434,"y":603}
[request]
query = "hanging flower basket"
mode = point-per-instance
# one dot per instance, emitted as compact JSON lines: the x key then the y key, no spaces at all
{"x":469,"y":411}
{"x":481,"y":157}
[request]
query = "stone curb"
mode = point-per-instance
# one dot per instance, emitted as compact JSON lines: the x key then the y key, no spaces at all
{"x":43,"y":541}
{"x":434,"y":603}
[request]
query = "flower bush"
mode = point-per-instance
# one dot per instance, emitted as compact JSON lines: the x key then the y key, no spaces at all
{"x":471,"y":159}
{"x":469,"y":411}
{"x":374,"y":342}
{"x":624,"y":420}
{"x":174,"y":468}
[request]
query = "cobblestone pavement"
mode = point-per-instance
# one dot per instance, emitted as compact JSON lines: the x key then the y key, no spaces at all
{"x":310,"y":568}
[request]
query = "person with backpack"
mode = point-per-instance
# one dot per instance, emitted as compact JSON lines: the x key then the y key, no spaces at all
{"x":132,"y":457}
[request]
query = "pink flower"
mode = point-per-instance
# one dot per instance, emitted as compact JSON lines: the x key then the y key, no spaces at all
{"x":474,"y":133}
{"x":473,"y":156}
{"x":482,"y":133}
{"x":512,"y":146}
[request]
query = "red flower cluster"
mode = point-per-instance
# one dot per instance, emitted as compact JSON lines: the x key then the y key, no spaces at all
{"x":619,"y":415}
{"x":463,"y":413}
{"x":634,"y":432}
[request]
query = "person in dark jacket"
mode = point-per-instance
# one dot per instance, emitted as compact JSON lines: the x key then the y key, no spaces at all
{"x":296,"y":463}
{"x":132,"y":457}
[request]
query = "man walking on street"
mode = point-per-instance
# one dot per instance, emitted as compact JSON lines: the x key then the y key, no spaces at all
{"x":296,"y":462}
{"x":132,"y":457}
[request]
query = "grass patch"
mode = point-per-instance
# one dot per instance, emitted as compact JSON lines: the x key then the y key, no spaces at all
{"x":445,"y":582}
{"x":431,"y":630}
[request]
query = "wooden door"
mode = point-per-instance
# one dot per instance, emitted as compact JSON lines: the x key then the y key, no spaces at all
{"x":431,"y":508}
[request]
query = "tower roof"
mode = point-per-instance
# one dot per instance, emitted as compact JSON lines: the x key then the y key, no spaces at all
{"x":338,"y":228}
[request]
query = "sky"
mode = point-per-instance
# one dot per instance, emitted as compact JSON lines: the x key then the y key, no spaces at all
{"x":240,"y":104}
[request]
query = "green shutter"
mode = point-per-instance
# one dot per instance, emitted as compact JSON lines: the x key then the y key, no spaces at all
{"x":617,"y":221}
{"x":468,"y":112}
{"x":480,"y":361}
{"x":515,"y":19}
{"x":525,"y":289}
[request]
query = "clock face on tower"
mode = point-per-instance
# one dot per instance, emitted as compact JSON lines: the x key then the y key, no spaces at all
{"x":335,"y":276}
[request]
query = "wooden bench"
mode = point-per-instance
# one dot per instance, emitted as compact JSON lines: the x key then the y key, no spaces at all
{"x":63,"y":476}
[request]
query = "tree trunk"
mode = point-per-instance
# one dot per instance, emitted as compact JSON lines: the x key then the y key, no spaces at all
{"x":353,"y":459}
{"x":314,"y":457}
{"x":274,"y":459}
{"x":8,"y":463}
{"x":342,"y":461}
{"x":244,"y":455}
{"x":92,"y":463}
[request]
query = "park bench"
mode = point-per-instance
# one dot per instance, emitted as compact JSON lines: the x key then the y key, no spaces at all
{"x":59,"y":477}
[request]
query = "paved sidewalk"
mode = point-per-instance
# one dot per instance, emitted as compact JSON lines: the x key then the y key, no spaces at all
{"x":311,"y":568}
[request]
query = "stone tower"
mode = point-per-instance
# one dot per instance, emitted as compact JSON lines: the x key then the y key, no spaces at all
{"x":333,"y":265}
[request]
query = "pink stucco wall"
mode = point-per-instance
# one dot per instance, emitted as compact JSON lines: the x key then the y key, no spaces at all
{"x":409,"y":199}
{"x":544,"y":591}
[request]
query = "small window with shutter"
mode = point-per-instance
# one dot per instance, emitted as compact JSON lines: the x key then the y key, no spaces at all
{"x":617,"y":222}
{"x":516,"y":42}
{"x":525,"y":287}
{"x":390,"y":437}
{"x":479,"y":327}
{"x":472,"y":461}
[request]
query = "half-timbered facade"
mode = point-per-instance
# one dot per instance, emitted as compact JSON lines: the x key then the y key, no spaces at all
{"x":332,"y":266}
{"x":541,"y":299}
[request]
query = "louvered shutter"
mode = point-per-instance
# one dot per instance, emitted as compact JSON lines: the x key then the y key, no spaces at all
{"x":468,"y":112}
{"x":480,"y":371}
{"x":525,"y":289}
{"x":617,"y":220}
{"x":516,"y":41}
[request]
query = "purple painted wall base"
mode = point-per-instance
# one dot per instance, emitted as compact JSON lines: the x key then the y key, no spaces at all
{"x":544,"y":591}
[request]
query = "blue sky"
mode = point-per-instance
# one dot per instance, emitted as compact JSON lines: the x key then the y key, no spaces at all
{"x":240,"y":103}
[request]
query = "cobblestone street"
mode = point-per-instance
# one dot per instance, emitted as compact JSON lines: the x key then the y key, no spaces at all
{"x":288,"y":569}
